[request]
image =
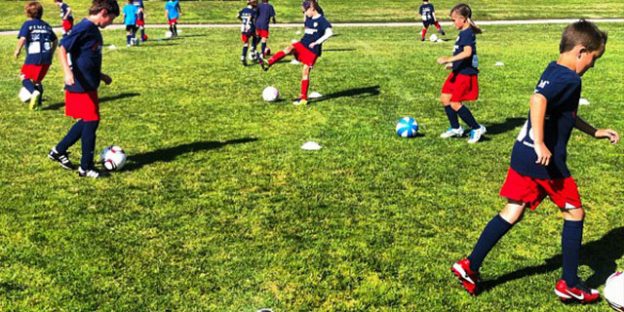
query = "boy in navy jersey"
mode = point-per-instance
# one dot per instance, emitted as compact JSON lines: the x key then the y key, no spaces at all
{"x":140,"y":22}
{"x":427,"y":13}
{"x":247,"y":16}
{"x":308,"y":49}
{"x":40,"y":42}
{"x":462,"y":84}
{"x":538,"y":162}
{"x":66,"y":16}
{"x":266,"y":13}
{"x":80,"y":55}
{"x":130,"y":12}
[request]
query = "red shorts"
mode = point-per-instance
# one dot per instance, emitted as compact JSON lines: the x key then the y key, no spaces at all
{"x":35,"y":72}
{"x":67,"y":25}
{"x":563,"y":192}
{"x":304,"y":55}
{"x":262,"y":33}
{"x":140,"y":22}
{"x":461,"y":87}
{"x":245,"y":37}
{"x":173,"y":21}
{"x":82,"y":105}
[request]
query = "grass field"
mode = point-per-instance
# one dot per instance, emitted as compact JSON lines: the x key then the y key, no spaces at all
{"x":219,"y":209}
{"x":338,"y":11}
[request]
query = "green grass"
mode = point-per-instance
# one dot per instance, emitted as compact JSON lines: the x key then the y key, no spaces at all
{"x":219,"y":209}
{"x":339,"y":11}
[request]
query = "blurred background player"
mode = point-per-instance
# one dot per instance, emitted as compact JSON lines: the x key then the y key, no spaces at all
{"x":462,"y":84}
{"x":173,"y":12}
{"x":67,"y":19}
{"x":141,"y":18}
{"x":247,"y":16}
{"x":308,"y":49}
{"x":40,"y":42}
{"x":82,"y":48}
{"x":427,"y":13}
{"x":130,"y":12}
{"x":266,"y":13}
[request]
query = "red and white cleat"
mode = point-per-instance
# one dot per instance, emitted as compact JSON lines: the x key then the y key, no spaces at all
{"x":468,"y":278}
{"x":579,"y":293}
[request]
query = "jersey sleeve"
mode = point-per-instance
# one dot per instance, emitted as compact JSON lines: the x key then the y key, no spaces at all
{"x":432,"y":9}
{"x":325,"y":23}
{"x":420,"y":9}
{"x":23,"y":32}
{"x":69,"y":42}
{"x":552,"y":89}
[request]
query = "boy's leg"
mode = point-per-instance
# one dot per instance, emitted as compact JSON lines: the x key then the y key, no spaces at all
{"x":439,"y":28}
{"x":29,"y":85}
{"x":465,"y":114}
{"x":88,"y":144}
{"x":175,"y":29}
{"x":280,"y":55}
{"x":455,"y":130}
{"x":305,"y":83}
{"x":244,"y":53}
{"x":72,"y":136}
{"x":263,"y":46}
{"x":423,"y":32}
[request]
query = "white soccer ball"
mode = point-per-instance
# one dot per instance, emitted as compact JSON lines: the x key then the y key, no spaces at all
{"x":168,"y":34}
{"x":270,"y":94}
{"x":113,"y":158}
{"x":433,"y":38}
{"x":614,"y":291}
{"x":24,"y":95}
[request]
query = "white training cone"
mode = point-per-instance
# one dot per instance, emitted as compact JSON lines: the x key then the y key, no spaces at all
{"x":315,"y":95}
{"x":499,"y":63}
{"x":583,"y":101}
{"x":310,"y":146}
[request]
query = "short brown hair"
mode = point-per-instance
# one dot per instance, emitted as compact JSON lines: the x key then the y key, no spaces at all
{"x":110,"y":6}
{"x":34,"y":9}
{"x":584,"y":33}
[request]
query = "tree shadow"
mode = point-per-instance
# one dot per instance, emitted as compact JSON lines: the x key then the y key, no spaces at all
{"x":137,"y":161}
{"x":600,"y":255}
{"x":507,"y":125}
{"x":102,"y":100}
{"x":355,"y":92}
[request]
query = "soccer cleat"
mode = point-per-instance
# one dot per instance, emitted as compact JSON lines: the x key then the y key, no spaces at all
{"x":263,"y":63}
{"x":244,"y":62}
{"x":422,"y":39}
{"x":475,"y":134}
{"x":579,"y":293}
{"x":452,"y":132}
{"x":35,"y":101}
{"x":298,"y":102}
{"x":442,"y":32}
{"x":62,"y":159}
{"x":468,"y":278}
{"x":90,"y":173}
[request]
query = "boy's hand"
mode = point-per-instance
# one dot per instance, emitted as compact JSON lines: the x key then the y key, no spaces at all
{"x":608,"y":134}
{"x":69,"y":79}
{"x":312,"y":45}
{"x":16,"y":54}
{"x":106,"y":78}
{"x":543,"y":154}
{"x":443,"y":60}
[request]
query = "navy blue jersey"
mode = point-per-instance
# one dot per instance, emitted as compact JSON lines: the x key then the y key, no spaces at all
{"x":84,"y":48}
{"x":64,"y":8}
{"x":470,"y":65}
{"x":562,"y":89}
{"x":315,"y":29}
{"x":39,"y":38}
{"x":247,"y":17}
{"x":426,"y":11}
{"x":139,"y":5}
{"x":265,"y":13}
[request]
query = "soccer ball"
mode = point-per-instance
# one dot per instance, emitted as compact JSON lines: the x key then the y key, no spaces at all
{"x":24,"y":95}
{"x":270,"y":94}
{"x":407,"y":127}
{"x":433,"y":38}
{"x":168,"y":34}
{"x":113,"y":158}
{"x":614,"y":291}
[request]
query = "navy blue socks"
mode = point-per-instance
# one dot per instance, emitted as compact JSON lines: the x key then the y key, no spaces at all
{"x":492,"y":233}
{"x":88,"y":143}
{"x":571,"y":239}
{"x":245,"y":48}
{"x":74,"y":134}
{"x":465,"y":114}
{"x":452,"y":116}
{"x":29,"y":85}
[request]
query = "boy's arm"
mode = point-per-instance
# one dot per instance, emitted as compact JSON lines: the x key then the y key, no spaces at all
{"x":54,"y":46}
{"x":538,"y":115}
{"x":67,"y":13}
{"x":20,"y":45}
{"x":585,"y":127}
{"x":328,"y":33}
{"x":69,"y":76}
{"x":466,"y":53}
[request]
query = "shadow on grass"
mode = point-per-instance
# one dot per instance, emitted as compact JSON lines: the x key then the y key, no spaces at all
{"x":137,"y":161}
{"x":11,"y":286}
{"x":600,"y":255}
{"x":102,"y":100}
{"x":507,"y":125}
{"x":156,"y":45}
{"x":355,"y":92}
{"x":339,"y":50}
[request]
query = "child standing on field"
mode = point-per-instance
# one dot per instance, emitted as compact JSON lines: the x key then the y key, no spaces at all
{"x":80,"y":55}
{"x":462,"y":84}
{"x":538,"y":162}
{"x":67,"y":18}
{"x":427,"y":13}
{"x":40,"y":42}
{"x":130,"y":12}
{"x":247,"y":16}
{"x":266,"y":13}
{"x":308,"y":49}
{"x":141,"y":18}
{"x":172,"y":12}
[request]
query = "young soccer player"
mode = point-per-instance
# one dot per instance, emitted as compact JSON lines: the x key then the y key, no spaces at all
{"x":130,"y":12}
{"x":173,"y":12}
{"x":66,"y":16}
{"x":427,"y":13}
{"x":247,"y":16}
{"x":40,"y":42}
{"x":462,"y":84}
{"x":538,"y":162}
{"x":308,"y":49}
{"x":266,"y":13}
{"x":141,"y":18}
{"x":82,"y":48}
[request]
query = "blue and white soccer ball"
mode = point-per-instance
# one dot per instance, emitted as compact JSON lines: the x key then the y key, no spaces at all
{"x":614,"y":291}
{"x":407,"y":127}
{"x":113,"y":158}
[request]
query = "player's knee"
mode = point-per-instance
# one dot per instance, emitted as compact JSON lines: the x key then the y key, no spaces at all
{"x":577,"y":214}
